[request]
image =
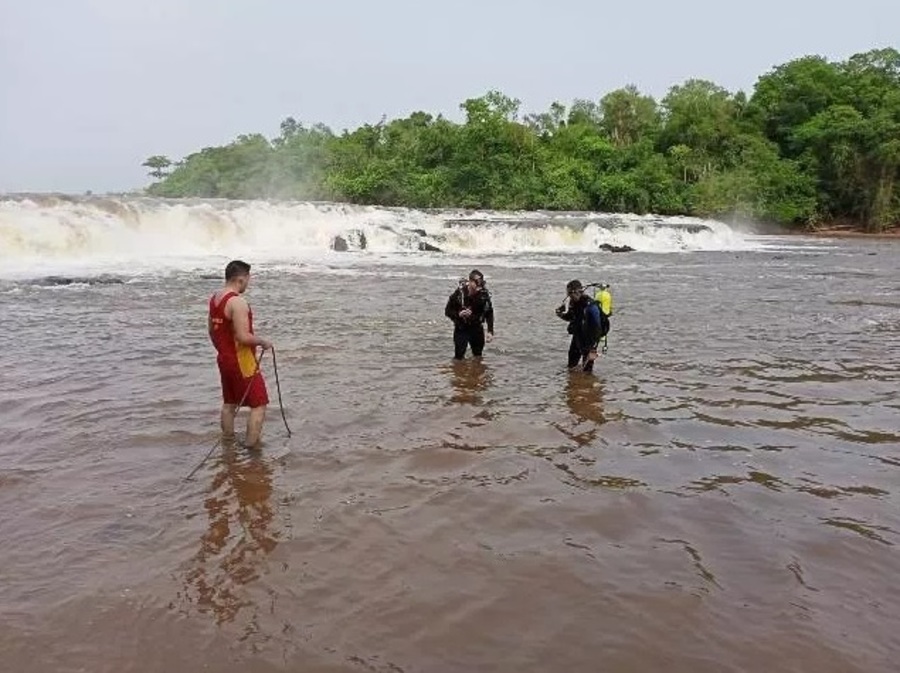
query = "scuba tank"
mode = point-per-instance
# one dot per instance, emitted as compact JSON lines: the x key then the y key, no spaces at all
{"x":604,"y":297}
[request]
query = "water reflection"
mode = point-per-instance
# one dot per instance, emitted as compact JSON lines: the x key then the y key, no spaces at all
{"x":470,"y":379}
{"x":584,"y":397}
{"x":239,"y":534}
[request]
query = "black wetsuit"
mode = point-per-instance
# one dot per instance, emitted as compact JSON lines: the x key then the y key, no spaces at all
{"x":469,"y":331}
{"x":587,"y":325}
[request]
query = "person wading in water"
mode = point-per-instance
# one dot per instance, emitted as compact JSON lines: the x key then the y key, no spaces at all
{"x":470,"y":307}
{"x":230,"y":326}
{"x":585,"y":325}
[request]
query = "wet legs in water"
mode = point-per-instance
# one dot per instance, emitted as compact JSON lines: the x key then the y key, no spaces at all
{"x":254,"y":424}
{"x":463,"y":337}
{"x":576,"y":355}
{"x":227,"y":420}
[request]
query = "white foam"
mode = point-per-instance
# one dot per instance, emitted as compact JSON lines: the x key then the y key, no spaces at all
{"x":46,"y":235}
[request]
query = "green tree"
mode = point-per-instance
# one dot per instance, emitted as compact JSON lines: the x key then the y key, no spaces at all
{"x":158,"y":165}
{"x":627,"y":116}
{"x":789,"y":96}
{"x":702,"y":117}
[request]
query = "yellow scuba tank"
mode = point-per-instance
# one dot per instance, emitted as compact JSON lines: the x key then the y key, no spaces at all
{"x":604,"y":298}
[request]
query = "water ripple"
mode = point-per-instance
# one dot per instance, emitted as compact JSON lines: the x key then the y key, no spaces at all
{"x":726,"y":478}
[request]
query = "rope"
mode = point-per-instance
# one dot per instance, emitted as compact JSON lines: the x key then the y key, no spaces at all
{"x":278,"y":387}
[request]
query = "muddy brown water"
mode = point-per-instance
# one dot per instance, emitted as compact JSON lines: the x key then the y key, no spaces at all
{"x":722,"y":495}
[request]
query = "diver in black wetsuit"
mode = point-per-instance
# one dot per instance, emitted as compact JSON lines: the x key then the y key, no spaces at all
{"x":586,"y":325}
{"x":470,"y":309}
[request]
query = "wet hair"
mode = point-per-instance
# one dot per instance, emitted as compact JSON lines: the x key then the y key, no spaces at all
{"x":236,"y":268}
{"x":573,"y":285}
{"x":477,"y":276}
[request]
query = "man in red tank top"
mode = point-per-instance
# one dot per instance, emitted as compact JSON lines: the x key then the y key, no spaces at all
{"x":230,"y":325}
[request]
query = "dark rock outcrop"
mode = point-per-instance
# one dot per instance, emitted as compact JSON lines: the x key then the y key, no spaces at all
{"x":355,"y":239}
{"x":103,"y":279}
{"x":616,"y":248}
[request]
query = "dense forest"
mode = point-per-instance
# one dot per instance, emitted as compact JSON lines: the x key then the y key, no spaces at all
{"x":817,"y":142}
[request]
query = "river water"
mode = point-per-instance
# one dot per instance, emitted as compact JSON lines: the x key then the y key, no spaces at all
{"x":720,"y":495}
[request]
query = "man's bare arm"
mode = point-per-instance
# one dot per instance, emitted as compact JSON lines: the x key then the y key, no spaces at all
{"x":240,"y":318}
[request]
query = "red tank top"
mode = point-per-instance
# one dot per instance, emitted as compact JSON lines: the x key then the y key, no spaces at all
{"x":228,"y":348}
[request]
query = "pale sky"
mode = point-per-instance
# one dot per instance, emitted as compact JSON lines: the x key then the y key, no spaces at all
{"x":90,"y":88}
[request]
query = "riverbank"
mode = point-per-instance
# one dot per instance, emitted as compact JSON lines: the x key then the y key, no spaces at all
{"x":848,"y":231}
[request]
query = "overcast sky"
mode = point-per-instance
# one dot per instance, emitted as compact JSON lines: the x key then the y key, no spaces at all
{"x":90,"y":88}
